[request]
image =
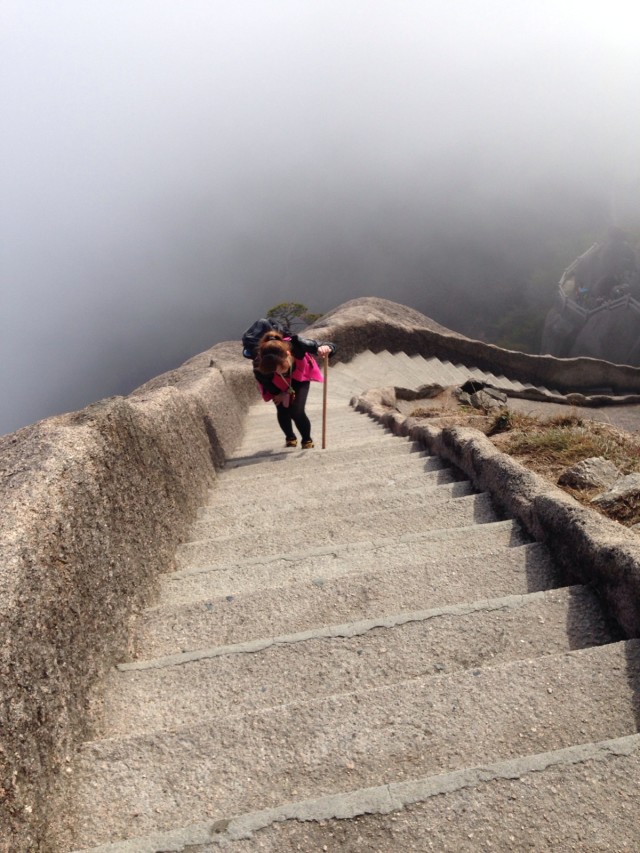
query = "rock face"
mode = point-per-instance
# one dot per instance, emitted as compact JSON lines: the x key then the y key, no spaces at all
{"x":597,"y":309}
{"x":625,"y":488}
{"x":608,"y":331}
{"x":592,"y":473}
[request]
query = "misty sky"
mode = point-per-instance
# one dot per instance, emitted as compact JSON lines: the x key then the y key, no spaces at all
{"x":171,"y":169}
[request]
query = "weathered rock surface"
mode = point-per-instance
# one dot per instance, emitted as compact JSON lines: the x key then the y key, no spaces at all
{"x":93,"y":506}
{"x":623,"y":489}
{"x":488,"y":399}
{"x":593,"y":473}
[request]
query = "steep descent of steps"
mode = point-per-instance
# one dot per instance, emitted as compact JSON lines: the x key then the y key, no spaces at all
{"x":338,"y":643}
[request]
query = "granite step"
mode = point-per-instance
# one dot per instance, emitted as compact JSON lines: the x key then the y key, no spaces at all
{"x":154,"y":782}
{"x":363,"y":452}
{"x":183,"y":624}
{"x":316,"y":530}
{"x":338,"y":658}
{"x":235,"y":499}
{"x":428,"y":548}
{"x":308,"y":464}
{"x":581,"y":798}
{"x":418,"y":471}
{"x":317,"y":504}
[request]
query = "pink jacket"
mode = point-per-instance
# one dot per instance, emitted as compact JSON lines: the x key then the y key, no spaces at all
{"x":305,"y":370}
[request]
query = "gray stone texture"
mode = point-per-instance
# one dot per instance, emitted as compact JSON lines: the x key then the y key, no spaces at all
{"x":592,"y":473}
{"x":95,"y":504}
{"x":624,"y":488}
{"x":587,"y":547}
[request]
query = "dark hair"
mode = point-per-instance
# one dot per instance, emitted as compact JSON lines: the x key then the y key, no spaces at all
{"x":272,"y":353}
{"x":273,"y":335}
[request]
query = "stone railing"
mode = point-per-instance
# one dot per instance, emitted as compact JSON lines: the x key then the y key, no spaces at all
{"x":378,"y":324}
{"x":93,"y":506}
{"x":587,"y":547}
{"x":95,"y":502}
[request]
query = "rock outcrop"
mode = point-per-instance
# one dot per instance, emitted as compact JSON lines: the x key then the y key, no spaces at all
{"x":596,"y":312}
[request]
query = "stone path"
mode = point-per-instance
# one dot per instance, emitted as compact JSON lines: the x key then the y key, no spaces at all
{"x":357,"y":653}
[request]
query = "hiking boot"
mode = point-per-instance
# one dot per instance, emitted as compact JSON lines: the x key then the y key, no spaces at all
{"x":291,"y":442}
{"x":307,"y":445}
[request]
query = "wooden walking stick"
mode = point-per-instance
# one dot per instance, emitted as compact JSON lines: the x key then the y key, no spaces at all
{"x":324,"y":402}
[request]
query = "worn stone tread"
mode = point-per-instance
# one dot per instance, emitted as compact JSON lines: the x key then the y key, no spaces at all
{"x":448,"y":548}
{"x":340,"y":658}
{"x":132,"y":786}
{"x":316,"y":504}
{"x":364,"y":451}
{"x":580,"y":799}
{"x":316,"y":529}
{"x":231,"y":501}
{"x":310,"y":601}
{"x":261,"y":470}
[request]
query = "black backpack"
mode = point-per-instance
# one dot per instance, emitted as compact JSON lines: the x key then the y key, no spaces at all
{"x":256,"y":331}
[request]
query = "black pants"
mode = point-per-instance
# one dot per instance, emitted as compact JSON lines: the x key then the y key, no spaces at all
{"x":295,"y":413}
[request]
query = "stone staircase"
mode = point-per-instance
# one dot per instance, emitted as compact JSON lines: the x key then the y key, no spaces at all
{"x":357,"y":654}
{"x":413,"y":371}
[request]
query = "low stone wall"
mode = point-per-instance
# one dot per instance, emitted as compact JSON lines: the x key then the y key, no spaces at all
{"x":378,"y":324}
{"x":586,"y":546}
{"x":93,"y":506}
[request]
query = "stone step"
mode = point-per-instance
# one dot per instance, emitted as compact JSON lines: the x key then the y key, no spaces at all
{"x":364,"y":452}
{"x":182,"y":689}
{"x":346,"y":434}
{"x":327,"y":463}
{"x":318,"y":529}
{"x":155,"y":782}
{"x":317,"y":504}
{"x":349,"y":380}
{"x":369,"y":370}
{"x":228,"y":576}
{"x":497,"y":380}
{"x":558,"y":800}
{"x":274,"y":440}
{"x":339,"y":410}
{"x":410,"y":473}
{"x":434,"y":371}
{"x":263,"y":415}
{"x":458,"y":374}
{"x":234,"y":499}
{"x":431,"y":548}
{"x":411,"y":367}
{"x":341,"y":427}
{"x":450,"y":373}
{"x":310,"y":602}
{"x":399,"y":370}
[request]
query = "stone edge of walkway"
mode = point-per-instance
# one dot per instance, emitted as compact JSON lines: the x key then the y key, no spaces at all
{"x":587,"y":547}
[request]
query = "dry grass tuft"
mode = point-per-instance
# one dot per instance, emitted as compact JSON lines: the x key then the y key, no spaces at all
{"x":556,"y":443}
{"x":550,"y":445}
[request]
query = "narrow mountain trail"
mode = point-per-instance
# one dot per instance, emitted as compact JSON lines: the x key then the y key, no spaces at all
{"x":356,"y":653}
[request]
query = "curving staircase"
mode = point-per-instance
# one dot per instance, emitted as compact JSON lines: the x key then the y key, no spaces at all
{"x":357,"y":654}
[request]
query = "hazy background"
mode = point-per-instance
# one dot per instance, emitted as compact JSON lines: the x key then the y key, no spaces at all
{"x":170,"y":170}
